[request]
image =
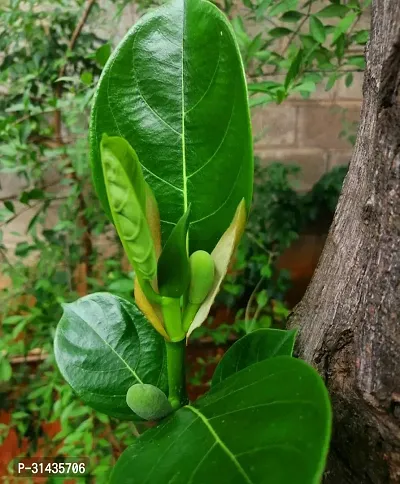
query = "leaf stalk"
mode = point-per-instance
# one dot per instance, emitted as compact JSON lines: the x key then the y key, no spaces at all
{"x":176,"y":353}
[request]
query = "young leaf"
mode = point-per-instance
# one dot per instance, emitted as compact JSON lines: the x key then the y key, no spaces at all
{"x":184,"y":108}
{"x":127,"y":197}
{"x":151,"y":311}
{"x":222,"y":255}
{"x":103,"y":345}
{"x":269,"y":423}
{"x":252,"y":348}
{"x":173,"y":272}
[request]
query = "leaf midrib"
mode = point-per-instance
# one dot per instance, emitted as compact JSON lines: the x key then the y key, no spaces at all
{"x":185,"y":195}
{"x":220,"y":443}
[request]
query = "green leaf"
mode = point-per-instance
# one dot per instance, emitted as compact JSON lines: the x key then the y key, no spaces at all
{"x":333,"y":11}
{"x":86,"y":78}
{"x":121,"y":285}
{"x":175,"y":90}
{"x":266,"y":86}
{"x":34,"y":194}
{"x":356,"y":60}
{"x":361,"y":37}
{"x":5,"y":370}
{"x":282,"y":6}
{"x":294,"y":68}
{"x":343,"y":26}
{"x":173,"y":271}
{"x":331,"y":81}
{"x":267,"y":424}
{"x":306,"y":86}
{"x":317,"y":29}
{"x":102,"y":54}
{"x":9,"y":206}
{"x":104,"y":345}
{"x":22,"y":249}
{"x":252,"y":348}
{"x":262,"y":7}
{"x":292,"y":16}
{"x":348,"y":79}
{"x":278,"y":32}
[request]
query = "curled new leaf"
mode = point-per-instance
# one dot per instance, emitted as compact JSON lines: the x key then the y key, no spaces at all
{"x":121,"y":169}
{"x":173,"y":266}
{"x":148,"y":401}
{"x":222,"y":255}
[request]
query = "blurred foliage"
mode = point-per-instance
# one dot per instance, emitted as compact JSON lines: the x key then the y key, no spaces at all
{"x":48,"y":70}
{"x":305,"y":44}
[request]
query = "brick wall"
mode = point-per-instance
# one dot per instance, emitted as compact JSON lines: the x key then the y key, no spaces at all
{"x":307,"y":132}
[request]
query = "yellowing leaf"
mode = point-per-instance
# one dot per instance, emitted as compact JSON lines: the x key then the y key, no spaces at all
{"x":222,"y":255}
{"x":152,"y":314}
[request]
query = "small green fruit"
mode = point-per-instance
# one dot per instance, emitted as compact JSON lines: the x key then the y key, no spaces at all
{"x":148,"y":401}
{"x":202,"y":272}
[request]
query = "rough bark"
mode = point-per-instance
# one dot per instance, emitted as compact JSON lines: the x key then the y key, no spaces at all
{"x":349,"y":318}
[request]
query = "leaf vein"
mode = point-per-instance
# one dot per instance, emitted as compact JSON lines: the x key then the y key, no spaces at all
{"x":225,"y":201}
{"x":221,"y":443}
{"x":140,"y":92}
{"x":210,"y":84}
{"x":111,"y":348}
{"x":161,"y":179}
{"x":218,"y":147}
{"x":261,"y":405}
{"x":200,"y":462}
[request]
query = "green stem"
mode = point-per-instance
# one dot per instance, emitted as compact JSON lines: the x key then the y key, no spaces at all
{"x":176,"y":353}
{"x":171,"y":309}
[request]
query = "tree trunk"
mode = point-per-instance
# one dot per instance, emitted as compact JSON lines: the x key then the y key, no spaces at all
{"x":349,"y":318}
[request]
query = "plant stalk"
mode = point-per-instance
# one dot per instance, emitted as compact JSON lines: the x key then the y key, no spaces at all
{"x":176,"y":353}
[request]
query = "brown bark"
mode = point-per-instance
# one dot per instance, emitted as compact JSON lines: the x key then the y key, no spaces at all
{"x":349,"y":318}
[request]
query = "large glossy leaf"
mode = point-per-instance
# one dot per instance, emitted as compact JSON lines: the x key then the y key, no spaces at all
{"x":267,"y":424}
{"x":252,"y":348}
{"x":175,"y":90}
{"x":104,"y":345}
